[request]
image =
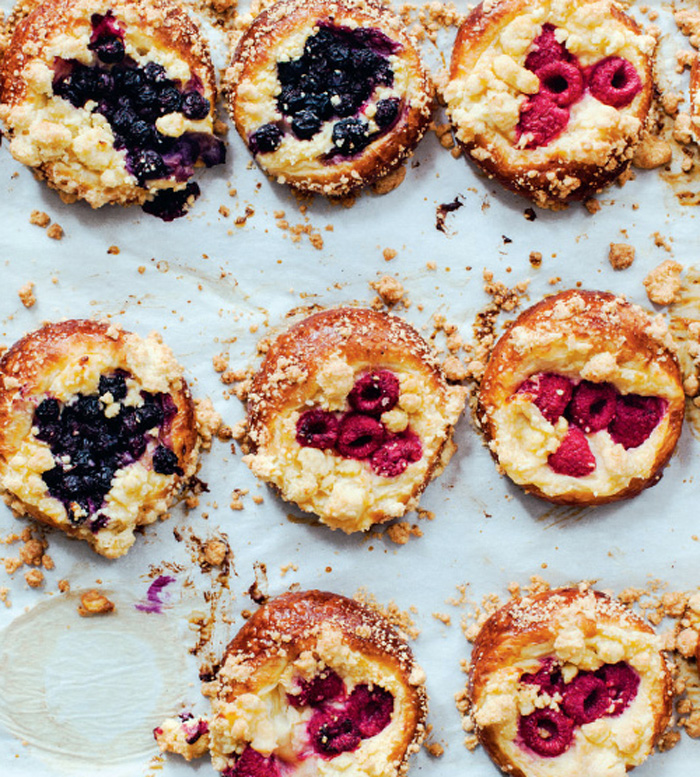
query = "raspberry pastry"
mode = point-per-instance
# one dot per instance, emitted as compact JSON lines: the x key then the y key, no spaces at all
{"x":350,"y":417}
{"x":315,"y":683}
{"x":568,"y":682}
{"x":97,"y":431}
{"x":582,"y":400}
{"x":112,"y":101}
{"x":329,"y":96}
{"x":550,"y":97}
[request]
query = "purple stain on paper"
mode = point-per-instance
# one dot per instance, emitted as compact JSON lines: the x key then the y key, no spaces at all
{"x":153,"y":601}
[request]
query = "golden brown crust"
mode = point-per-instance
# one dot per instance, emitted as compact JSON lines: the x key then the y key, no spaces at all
{"x":60,"y":359}
{"x":301,"y":625}
{"x":315,"y":364}
{"x":598,"y":324}
{"x":523,"y":628}
{"x":288,"y":19}
{"x":550,"y":180}
{"x":165,"y":27}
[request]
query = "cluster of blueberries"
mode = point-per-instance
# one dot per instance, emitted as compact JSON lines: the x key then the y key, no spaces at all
{"x":88,"y":448}
{"x":613,"y":81}
{"x":132,"y":98}
{"x":606,"y":692}
{"x":338,"y":724}
{"x":335,"y":76}
{"x":359,"y":433}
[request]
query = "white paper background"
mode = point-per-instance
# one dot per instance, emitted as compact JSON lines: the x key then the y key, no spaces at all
{"x":85,"y":694}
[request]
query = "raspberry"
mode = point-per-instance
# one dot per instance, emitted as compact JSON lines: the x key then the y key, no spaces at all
{"x":359,"y":436}
{"x":394,"y":456}
{"x":562,"y":82}
{"x":635,"y":419}
{"x":614,"y":81}
{"x":586,"y":698}
{"x":551,"y":394}
{"x":548,"y":678}
{"x":545,"y":50}
{"x":332,"y":733}
{"x":622,"y":683}
{"x":542,"y":119}
{"x":375,"y":393}
{"x":370,"y":710}
{"x":317,"y":429}
{"x":253,"y":764}
{"x":592,"y":406}
{"x":314,"y":692}
{"x":547,"y":732}
{"x":573,"y":457}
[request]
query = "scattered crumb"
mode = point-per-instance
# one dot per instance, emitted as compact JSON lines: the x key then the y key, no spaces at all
{"x":435,"y":750}
{"x":287,"y":567}
{"x":652,"y":152}
{"x":389,"y":254}
{"x":455,"y":369}
{"x":55,"y":232}
{"x":113,"y":250}
{"x":215,"y":551}
{"x":63,"y":586}
{"x":237,"y":498}
{"x":92,"y":602}
{"x":670,"y":102}
{"x":399,"y":618}
{"x":401,"y":533}
{"x":34,"y":578}
{"x":224,"y":211}
{"x":389,"y":289}
{"x":443,"y":618}
{"x":682,"y":129}
{"x":621,"y":255}
{"x":220,"y":362}
{"x":5,"y":596}
{"x":592,"y":205}
{"x":664,"y":282}
{"x":535,"y":258}
{"x":39,"y":218}
{"x":26,"y":295}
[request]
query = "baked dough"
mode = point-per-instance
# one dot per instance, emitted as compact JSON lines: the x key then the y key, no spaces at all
{"x":582,"y":400}
{"x":97,"y":431}
{"x":315,"y":684}
{"x":112,"y":101}
{"x":550,"y":96}
{"x":350,"y":417}
{"x":329,"y":95}
{"x":568,"y":682}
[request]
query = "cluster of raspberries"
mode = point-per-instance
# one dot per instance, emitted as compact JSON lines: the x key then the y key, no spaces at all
{"x":591,"y":407}
{"x":339,"y":723}
{"x":359,"y":432}
{"x":607,"y":692}
{"x":613,"y":81}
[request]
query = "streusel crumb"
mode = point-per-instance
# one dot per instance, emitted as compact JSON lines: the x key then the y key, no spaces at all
{"x":26,"y":295}
{"x":92,"y":602}
{"x":621,"y":255}
{"x":664,"y":282}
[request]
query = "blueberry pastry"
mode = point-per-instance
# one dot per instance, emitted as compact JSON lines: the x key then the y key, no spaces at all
{"x":550,"y":97}
{"x":329,"y":96}
{"x":582,"y":400}
{"x":112,"y":101}
{"x":97,"y":431}
{"x":313,"y":684}
{"x":568,"y":682}
{"x":350,"y":417}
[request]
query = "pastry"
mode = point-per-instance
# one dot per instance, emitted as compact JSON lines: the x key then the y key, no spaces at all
{"x":112,"y":101}
{"x":568,"y":682}
{"x":97,"y":431}
{"x":582,"y":400}
{"x":329,"y":96}
{"x":350,"y":417}
{"x":314,"y":683}
{"x":550,"y":97}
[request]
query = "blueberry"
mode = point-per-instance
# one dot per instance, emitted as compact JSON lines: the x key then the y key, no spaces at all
{"x":155,"y":73}
{"x":346,"y":104}
{"x":318,"y":43}
{"x":165,"y":461}
{"x":48,"y":411}
{"x":266,"y":139}
{"x":169,"y":100}
{"x":149,"y":415}
{"x":169,"y":204}
{"x":365,"y":62}
{"x":122,"y":120}
{"x":320,"y":104}
{"x":137,"y":446}
{"x":305,"y":124}
{"x":147,"y":164}
{"x":146,"y":101}
{"x":109,"y":50}
{"x":195,"y":106}
{"x":310,"y":83}
{"x":337,"y":54}
{"x":114,"y":384}
{"x":88,"y":408}
{"x":350,"y":136}
{"x":387,"y":111}
{"x":127,"y":80}
{"x":291,"y":100}
{"x":290,"y":72}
